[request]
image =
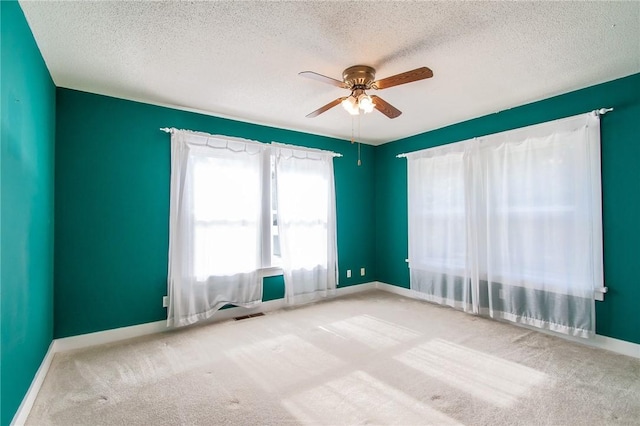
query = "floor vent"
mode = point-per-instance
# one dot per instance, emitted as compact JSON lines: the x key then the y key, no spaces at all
{"x":259,"y":314}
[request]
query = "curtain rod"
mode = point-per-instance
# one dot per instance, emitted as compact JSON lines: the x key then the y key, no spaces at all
{"x":602,"y":111}
{"x":172,"y":130}
{"x":597,"y":112}
{"x":302,"y":148}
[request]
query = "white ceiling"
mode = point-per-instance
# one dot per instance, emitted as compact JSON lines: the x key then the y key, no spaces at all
{"x":241,"y":59}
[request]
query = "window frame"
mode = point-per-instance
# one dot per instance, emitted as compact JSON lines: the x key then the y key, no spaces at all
{"x":268,"y":269}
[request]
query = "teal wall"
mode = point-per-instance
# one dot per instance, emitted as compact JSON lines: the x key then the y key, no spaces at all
{"x":26,"y":203}
{"x":617,"y":316}
{"x":112,"y":207}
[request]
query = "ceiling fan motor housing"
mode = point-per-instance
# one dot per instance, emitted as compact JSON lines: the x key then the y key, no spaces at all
{"x":359,"y":77}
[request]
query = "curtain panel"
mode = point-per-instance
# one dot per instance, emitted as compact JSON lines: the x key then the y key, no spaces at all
{"x":306,"y":222}
{"x":438,"y":197}
{"x":215,"y":227}
{"x":510,"y":225}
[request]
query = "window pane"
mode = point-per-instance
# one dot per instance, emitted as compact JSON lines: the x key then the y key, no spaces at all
{"x":535,"y":205}
{"x":226,"y":214}
{"x":221,"y":250}
{"x":438,"y":237}
{"x":307,"y":211}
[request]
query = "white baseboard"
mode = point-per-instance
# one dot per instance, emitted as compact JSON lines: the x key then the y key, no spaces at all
{"x":114,"y":335}
{"x":598,"y":341}
{"x":108,"y":336}
{"x":357,"y":288}
{"x":615,"y":345}
{"x":21,"y":415}
{"x":397,"y":290}
{"x":117,"y":334}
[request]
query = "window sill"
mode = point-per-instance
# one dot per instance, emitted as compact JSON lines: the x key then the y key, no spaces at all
{"x":272,"y":271}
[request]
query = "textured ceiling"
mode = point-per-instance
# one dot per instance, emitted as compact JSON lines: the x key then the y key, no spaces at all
{"x":241,"y":59}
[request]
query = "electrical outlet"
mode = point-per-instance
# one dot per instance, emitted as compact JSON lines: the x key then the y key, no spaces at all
{"x":165,"y":301}
{"x":362,"y":272}
{"x":348,"y":273}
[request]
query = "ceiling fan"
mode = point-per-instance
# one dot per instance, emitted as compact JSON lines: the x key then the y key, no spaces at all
{"x":360,"y":78}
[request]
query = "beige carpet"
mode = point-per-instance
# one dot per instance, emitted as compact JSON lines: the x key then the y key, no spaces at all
{"x":369,"y":358}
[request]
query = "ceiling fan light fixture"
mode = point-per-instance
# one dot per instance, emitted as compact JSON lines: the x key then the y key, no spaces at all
{"x":365,"y":103}
{"x":350,"y":104}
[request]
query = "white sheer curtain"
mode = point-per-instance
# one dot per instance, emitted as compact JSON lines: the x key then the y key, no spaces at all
{"x":306,"y":222}
{"x":544,"y":224}
{"x":528,"y":247}
{"x":439,"y":256}
{"x":215,"y":225}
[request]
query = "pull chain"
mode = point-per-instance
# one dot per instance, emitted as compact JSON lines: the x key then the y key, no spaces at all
{"x":352,"y":129}
{"x":359,"y":162}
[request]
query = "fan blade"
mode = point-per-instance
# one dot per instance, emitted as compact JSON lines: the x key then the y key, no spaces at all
{"x":385,"y":107}
{"x":405,"y":77}
{"x":325,"y":108}
{"x":323,"y":78}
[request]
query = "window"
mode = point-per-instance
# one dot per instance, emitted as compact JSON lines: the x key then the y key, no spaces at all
{"x":215,"y":225}
{"x":234,"y":205}
{"x":437,"y":211}
{"x":509,"y":225}
{"x":228,"y":212}
{"x":536,"y":203}
{"x":438,"y":234}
